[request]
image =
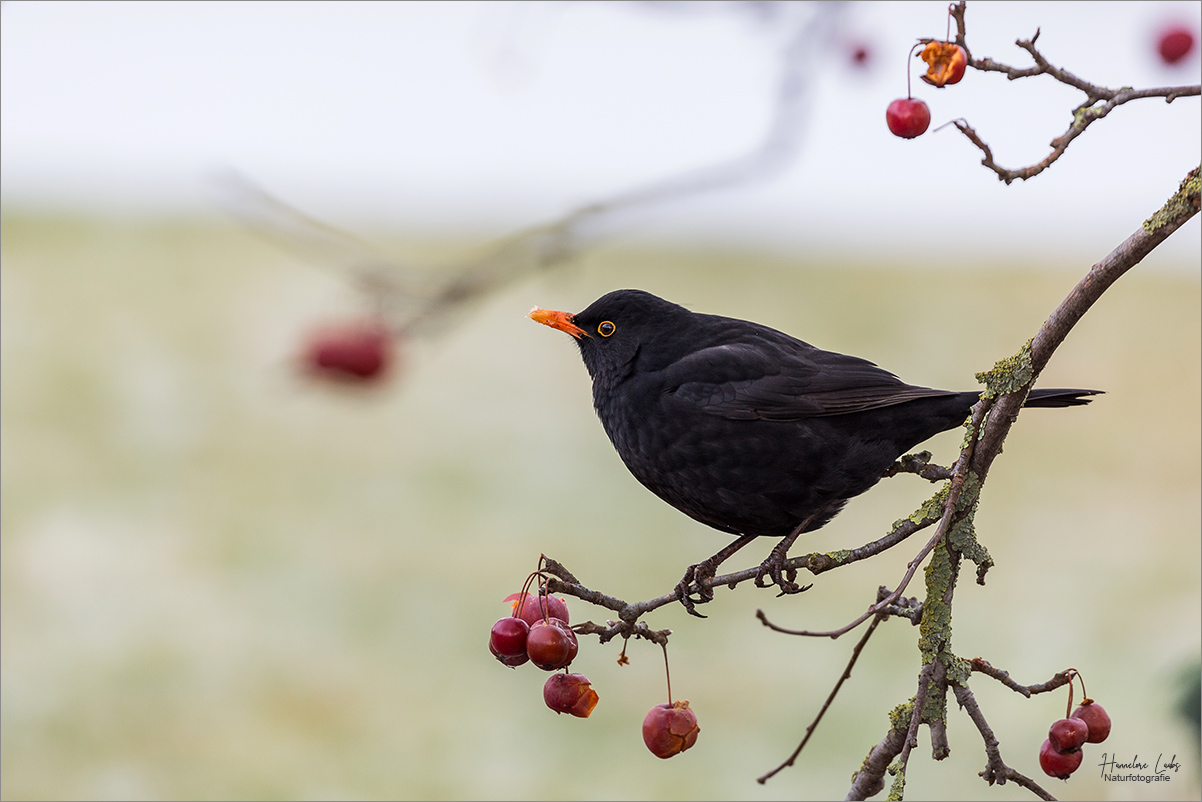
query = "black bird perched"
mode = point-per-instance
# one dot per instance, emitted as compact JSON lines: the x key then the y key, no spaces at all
{"x":745,"y":428}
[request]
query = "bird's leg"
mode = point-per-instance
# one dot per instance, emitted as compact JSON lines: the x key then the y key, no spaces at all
{"x":696,"y":577}
{"x":774,"y":566}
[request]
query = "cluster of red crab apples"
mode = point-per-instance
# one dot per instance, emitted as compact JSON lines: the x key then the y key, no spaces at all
{"x":538,"y":632}
{"x":1061,"y":753}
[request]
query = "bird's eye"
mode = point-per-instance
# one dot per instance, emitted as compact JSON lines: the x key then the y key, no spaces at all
{"x":606,"y":328}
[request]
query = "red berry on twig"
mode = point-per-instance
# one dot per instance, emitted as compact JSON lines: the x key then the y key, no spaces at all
{"x":1096,"y":718}
{"x":1068,"y":734}
{"x":534,"y":605}
{"x":908,"y":117}
{"x":670,"y":729}
{"x":549,"y":645}
{"x":1058,"y":764}
{"x":507,"y":641}
{"x":570,"y":693}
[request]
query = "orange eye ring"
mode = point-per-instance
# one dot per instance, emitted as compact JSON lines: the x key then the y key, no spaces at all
{"x":605,"y":328}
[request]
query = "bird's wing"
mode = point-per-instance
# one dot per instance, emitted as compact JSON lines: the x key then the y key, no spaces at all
{"x":755,"y":382}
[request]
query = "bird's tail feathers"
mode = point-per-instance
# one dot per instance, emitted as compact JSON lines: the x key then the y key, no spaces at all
{"x":1060,"y":397}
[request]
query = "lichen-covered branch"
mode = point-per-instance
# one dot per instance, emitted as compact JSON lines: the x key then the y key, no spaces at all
{"x":1177,"y":210}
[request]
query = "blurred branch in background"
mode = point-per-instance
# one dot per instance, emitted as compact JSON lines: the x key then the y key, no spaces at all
{"x":414,"y":298}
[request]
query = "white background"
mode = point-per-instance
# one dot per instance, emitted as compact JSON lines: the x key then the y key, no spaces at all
{"x":454,"y":117}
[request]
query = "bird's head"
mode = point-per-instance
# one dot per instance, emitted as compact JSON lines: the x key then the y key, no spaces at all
{"x":621,"y":331}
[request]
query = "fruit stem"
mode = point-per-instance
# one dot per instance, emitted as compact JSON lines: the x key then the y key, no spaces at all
{"x":910,"y":55}
{"x":947,"y":37}
{"x":667,"y":673}
{"x":543,"y":604}
{"x":525,"y":594}
{"x":1073,"y":673}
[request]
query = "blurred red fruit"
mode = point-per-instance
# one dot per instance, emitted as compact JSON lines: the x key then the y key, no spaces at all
{"x":670,"y":729}
{"x":533,"y":607}
{"x":908,"y":117}
{"x":860,"y":54}
{"x":570,"y":693}
{"x":1096,"y":718}
{"x":1175,"y":43}
{"x":358,"y":351}
{"x":1058,"y":764}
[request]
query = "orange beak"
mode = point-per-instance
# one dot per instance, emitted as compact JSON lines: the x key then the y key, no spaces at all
{"x":557,"y":320}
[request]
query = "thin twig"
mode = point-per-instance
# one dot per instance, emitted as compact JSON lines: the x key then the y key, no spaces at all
{"x":416,"y":298}
{"x":996,"y":770}
{"x":920,"y":464}
{"x":1057,"y":681}
{"x":815,"y":563}
{"x":855,"y":654}
{"x":1099,"y":100}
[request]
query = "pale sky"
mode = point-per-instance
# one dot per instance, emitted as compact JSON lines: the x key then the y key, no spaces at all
{"x":483,"y":117}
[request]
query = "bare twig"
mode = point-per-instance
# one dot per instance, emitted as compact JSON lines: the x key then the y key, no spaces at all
{"x":920,"y":464}
{"x":414,"y":298}
{"x":613,"y":629}
{"x":816,"y":563}
{"x":1099,"y":100}
{"x":996,"y":770}
{"x":1057,"y":681}
{"x":910,"y":608}
{"x":855,"y":655}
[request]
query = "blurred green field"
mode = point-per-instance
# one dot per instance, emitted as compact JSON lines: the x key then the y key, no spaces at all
{"x":218,"y":580}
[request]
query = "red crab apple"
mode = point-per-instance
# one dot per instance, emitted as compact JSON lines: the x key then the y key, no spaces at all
{"x":1096,"y":718}
{"x":507,"y":641}
{"x":670,"y":729}
{"x":533,"y":606}
{"x":908,"y":117}
{"x":1058,"y":764}
{"x":1068,"y":734}
{"x":570,"y":693}
{"x":549,"y":645}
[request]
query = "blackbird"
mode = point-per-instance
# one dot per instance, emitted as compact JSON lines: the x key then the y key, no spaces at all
{"x":745,"y":428}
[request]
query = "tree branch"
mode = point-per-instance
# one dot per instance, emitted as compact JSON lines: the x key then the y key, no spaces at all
{"x":996,"y":770}
{"x":1099,"y":100}
{"x":1057,"y":681}
{"x":1177,"y":210}
{"x":855,"y":655}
